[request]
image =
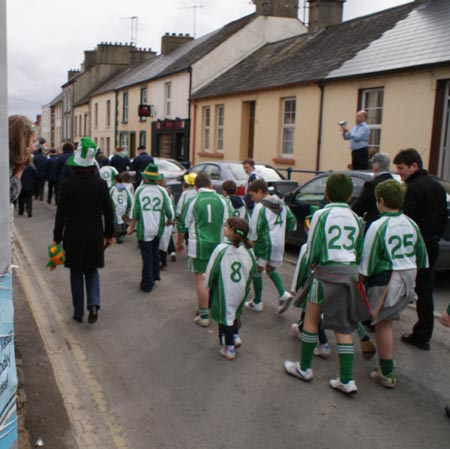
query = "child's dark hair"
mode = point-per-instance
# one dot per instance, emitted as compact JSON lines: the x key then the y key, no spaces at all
{"x":118,"y":178}
{"x":339,"y":188}
{"x":229,"y":187}
{"x":202,"y":181}
{"x":239,"y":232}
{"x":392,"y":192}
{"x":259,"y":184}
{"x":126,"y":176}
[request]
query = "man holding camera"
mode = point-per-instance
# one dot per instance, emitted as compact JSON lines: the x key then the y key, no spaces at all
{"x":359,"y":141}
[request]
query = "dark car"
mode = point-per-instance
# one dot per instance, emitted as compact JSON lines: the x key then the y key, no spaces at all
{"x":312,"y":193}
{"x":234,"y":171}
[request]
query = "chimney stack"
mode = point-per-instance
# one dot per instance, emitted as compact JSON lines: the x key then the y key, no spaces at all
{"x":170,"y":42}
{"x":277,"y":8}
{"x":323,"y":13}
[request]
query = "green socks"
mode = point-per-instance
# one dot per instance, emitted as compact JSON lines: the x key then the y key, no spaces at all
{"x":257,"y":286}
{"x":278,"y":282}
{"x":309,"y":342}
{"x":362,"y":332}
{"x":204,"y":314}
{"x":346,"y":353}
{"x":387,"y":366}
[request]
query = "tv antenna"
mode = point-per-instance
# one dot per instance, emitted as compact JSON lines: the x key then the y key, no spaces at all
{"x":194,"y":9}
{"x":134,"y":28}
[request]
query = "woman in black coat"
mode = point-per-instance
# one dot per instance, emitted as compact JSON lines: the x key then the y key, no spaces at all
{"x":85,"y":225}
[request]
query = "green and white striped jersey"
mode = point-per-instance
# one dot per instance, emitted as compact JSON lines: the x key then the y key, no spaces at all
{"x":229,"y":274}
{"x":335,"y":236}
{"x":185,"y":197}
{"x":204,"y":217}
{"x":152,"y":207}
{"x":240,"y":212}
{"x":121,"y":202}
{"x":107,"y":173}
{"x":268,"y":231}
{"x":393,"y":242}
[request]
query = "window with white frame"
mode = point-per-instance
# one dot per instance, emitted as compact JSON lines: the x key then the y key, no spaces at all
{"x":124,"y":141}
{"x":143,"y":101}
{"x":168,"y":98}
{"x":372,"y":102}
{"x":96,"y":115}
{"x":142,"y":138}
{"x":206,"y":127}
{"x":220,"y":121}
{"x":125,"y":107}
{"x":288,"y":110}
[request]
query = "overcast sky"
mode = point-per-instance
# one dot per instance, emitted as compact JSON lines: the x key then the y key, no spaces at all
{"x":46,"y":38}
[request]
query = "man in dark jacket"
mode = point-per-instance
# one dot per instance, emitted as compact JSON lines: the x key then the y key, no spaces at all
{"x":426,"y":203}
{"x":40,"y":162}
{"x":120,"y":161}
{"x":52,"y":176}
{"x":140,"y":162}
{"x":84,"y":200}
{"x":63,"y":170}
{"x":28,"y":180}
{"x":366,"y":206}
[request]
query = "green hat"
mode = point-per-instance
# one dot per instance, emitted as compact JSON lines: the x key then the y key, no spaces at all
{"x":151,"y":173}
{"x":84,"y":155}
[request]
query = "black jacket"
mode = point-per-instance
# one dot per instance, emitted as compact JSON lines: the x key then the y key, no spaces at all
{"x":40,"y":162}
{"x":426,"y":203}
{"x":366,"y":203}
{"x":120,"y":163}
{"x":51,"y":168}
{"x":139,"y":164}
{"x":83,"y":218}
{"x":28,"y":178}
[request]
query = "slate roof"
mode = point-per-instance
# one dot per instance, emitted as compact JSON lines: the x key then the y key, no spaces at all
{"x":305,"y":58}
{"x":422,"y":38}
{"x":179,"y":60}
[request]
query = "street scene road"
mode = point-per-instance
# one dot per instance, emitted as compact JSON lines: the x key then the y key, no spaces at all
{"x":145,"y":376}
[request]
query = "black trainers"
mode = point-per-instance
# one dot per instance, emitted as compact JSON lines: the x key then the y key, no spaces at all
{"x":410,"y":339}
{"x":78,"y":319}
{"x":93,"y":315}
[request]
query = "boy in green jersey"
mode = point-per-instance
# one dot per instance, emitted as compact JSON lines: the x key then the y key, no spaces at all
{"x":393,"y":252}
{"x":203,"y":217}
{"x":270,"y":220}
{"x":334,"y":249}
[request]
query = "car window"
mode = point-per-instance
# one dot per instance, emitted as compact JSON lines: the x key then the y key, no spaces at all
{"x":213,"y":171}
{"x":267,"y":173}
{"x":168,"y":165}
{"x":198,"y":168}
{"x":313,"y":191}
{"x":358,"y":184}
{"x":238,"y":172}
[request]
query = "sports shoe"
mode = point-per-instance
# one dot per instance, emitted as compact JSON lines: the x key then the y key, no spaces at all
{"x":203,"y":322}
{"x":388,"y":381}
{"x":322,"y":350}
{"x":368,"y":349}
{"x":228,"y":353}
{"x":251,"y":305}
{"x":293,"y":369}
{"x":284,"y":302}
{"x":237,"y":341}
{"x":348,"y":388}
{"x":295,"y":331}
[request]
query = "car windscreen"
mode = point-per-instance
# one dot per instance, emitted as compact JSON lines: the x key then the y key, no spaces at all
{"x":168,"y":165}
{"x":238,"y":172}
{"x":267,"y":173}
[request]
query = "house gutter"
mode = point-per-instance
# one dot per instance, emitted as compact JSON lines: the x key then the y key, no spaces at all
{"x":191,"y":103}
{"x":319,"y":135}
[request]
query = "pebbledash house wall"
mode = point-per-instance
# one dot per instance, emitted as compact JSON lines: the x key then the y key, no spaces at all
{"x":408,"y":113}
{"x":101,"y":131}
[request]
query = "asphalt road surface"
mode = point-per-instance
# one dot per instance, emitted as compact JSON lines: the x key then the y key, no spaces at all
{"x":145,"y":376}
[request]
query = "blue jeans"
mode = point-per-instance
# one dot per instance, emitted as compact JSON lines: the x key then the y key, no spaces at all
{"x":77,"y":280}
{"x":150,"y":264}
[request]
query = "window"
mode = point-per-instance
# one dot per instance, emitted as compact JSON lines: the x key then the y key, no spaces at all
{"x":124,"y":141}
{"x":125,"y":108}
{"x":96,"y":115}
{"x":206,"y":126}
{"x":372,"y":102}
{"x":168,"y":97}
{"x":102,"y":143}
{"x":75,"y":123}
{"x":220,"y":120}
{"x":288,"y":126}
{"x":80,"y":130}
{"x":142,"y":138}
{"x":86,"y":132}
{"x":108,"y":113}
{"x":143,"y":101}
{"x":108,"y":145}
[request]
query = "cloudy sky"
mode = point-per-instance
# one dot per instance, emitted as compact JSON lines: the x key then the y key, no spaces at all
{"x":48,"y":37}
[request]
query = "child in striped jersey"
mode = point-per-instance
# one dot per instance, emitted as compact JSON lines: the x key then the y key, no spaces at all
{"x":121,"y":201}
{"x":334,"y":249}
{"x":270,"y":220}
{"x":393,"y":251}
{"x":235,"y":203}
{"x":228,"y":276}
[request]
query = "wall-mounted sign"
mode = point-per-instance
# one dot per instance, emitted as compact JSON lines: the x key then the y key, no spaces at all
{"x":144,"y":110}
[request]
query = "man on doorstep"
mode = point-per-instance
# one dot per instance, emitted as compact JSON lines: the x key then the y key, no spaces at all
{"x":426,"y":203}
{"x":359,"y":141}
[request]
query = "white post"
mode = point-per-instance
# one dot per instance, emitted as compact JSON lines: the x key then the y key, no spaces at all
{"x":8,"y":377}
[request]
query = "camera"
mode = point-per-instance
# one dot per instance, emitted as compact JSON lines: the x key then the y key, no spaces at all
{"x":342,"y":123}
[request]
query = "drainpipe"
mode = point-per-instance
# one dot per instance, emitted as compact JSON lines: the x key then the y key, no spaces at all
{"x":116,"y":119}
{"x":190,"y":104}
{"x":194,"y":121}
{"x":319,"y":136}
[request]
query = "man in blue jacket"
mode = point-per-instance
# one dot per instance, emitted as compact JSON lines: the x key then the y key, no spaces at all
{"x":120,"y":161}
{"x":40,"y":162}
{"x":140,"y":162}
{"x":52,"y":176}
